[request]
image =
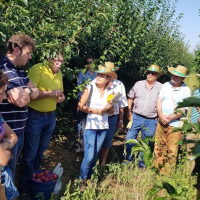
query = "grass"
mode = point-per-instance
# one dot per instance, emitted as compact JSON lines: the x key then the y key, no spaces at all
{"x":126,"y":182}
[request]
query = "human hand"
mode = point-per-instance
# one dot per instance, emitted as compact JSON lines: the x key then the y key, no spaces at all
{"x":61,"y":98}
{"x":165,"y":119}
{"x":109,"y":107}
{"x":56,"y":93}
{"x":120,"y":125}
{"x":101,"y":112}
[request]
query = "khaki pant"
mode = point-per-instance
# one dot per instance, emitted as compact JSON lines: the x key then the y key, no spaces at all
{"x":166,"y":149}
{"x":190,"y":164}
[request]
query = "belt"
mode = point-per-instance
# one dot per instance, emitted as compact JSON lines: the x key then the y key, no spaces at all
{"x":145,"y":117}
{"x":43,"y":113}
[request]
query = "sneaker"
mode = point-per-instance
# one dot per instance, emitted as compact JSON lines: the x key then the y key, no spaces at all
{"x":24,"y":196}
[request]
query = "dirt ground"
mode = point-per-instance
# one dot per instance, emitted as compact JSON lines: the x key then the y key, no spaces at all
{"x":61,"y":151}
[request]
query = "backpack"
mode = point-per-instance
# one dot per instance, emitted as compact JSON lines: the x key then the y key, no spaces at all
{"x":79,"y":137}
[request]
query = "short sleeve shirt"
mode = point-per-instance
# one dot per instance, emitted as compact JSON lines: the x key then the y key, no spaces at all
{"x":144,"y":99}
{"x":95,"y":121}
{"x":195,"y":114}
{"x":14,"y":116}
{"x":44,"y":79}
{"x":171,"y":97}
{"x":118,"y":87}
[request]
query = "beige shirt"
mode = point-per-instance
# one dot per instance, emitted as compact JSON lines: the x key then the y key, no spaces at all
{"x":144,"y":99}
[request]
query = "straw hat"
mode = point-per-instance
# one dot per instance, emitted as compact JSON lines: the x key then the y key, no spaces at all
{"x":180,"y":71}
{"x":155,"y":68}
{"x":112,"y":66}
{"x":107,"y":70}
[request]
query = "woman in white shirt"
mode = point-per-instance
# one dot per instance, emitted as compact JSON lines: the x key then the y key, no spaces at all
{"x":97,"y":118}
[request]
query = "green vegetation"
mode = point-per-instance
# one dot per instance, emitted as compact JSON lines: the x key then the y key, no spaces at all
{"x":131,"y":33}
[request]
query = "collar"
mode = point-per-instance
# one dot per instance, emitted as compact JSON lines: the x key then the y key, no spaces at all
{"x":114,"y":85}
{"x":10,"y":63}
{"x":178,"y":88}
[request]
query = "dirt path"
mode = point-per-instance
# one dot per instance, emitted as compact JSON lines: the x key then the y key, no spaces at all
{"x":64,"y":153}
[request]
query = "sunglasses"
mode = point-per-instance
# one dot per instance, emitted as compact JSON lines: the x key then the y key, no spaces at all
{"x":152,"y":73}
{"x":88,"y":63}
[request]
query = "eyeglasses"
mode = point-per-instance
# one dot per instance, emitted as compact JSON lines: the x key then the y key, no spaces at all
{"x":58,"y":61}
{"x":152,"y":73}
{"x":88,"y":63}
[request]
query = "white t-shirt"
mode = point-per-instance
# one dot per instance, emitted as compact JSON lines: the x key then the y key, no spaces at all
{"x":95,"y":121}
{"x":168,"y":93}
{"x":118,"y":87}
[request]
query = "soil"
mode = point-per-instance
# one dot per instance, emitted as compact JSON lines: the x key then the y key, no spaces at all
{"x":61,"y":151}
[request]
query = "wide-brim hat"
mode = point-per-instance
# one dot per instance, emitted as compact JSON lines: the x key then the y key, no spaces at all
{"x":107,"y":70}
{"x":180,"y":71}
{"x":198,"y":74}
{"x":112,"y":66}
{"x":155,"y":68}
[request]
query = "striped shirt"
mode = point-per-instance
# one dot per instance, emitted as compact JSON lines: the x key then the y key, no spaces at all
{"x":15,"y":116}
{"x":144,"y":99}
{"x":195,"y":114}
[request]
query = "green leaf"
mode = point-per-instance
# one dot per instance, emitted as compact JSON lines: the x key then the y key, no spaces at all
{"x":175,"y":129}
{"x":102,"y":57}
{"x":181,"y":112}
{"x":189,"y":102}
{"x":133,"y":141}
{"x":186,"y":126}
{"x":170,"y":189}
{"x":25,"y":2}
{"x":178,"y":198}
{"x":195,"y":151}
{"x":144,"y":144}
{"x":104,"y":15}
{"x":197,"y":127}
{"x":151,"y":193}
{"x":135,"y":148}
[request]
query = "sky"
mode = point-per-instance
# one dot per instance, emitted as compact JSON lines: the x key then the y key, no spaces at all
{"x":190,"y":22}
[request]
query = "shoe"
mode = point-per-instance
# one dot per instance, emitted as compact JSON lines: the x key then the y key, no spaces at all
{"x":24,"y":196}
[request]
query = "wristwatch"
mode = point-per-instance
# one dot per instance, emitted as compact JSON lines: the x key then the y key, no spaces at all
{"x":121,"y":121}
{"x":31,"y":90}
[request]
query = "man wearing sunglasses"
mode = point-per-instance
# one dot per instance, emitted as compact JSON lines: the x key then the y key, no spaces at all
{"x":143,"y":113}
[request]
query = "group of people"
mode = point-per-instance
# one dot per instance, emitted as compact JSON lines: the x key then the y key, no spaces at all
{"x":151,"y":110}
{"x":28,"y":104}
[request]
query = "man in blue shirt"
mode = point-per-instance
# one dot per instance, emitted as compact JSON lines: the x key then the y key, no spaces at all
{"x":19,"y":91}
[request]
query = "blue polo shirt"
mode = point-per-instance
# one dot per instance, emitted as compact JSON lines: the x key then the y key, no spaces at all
{"x":14,"y":116}
{"x":195,"y":114}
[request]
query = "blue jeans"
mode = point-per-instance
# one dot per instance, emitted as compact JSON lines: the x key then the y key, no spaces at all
{"x":93,"y":140}
{"x":147,"y":128}
{"x":6,"y":179}
{"x":37,"y":136}
{"x":16,"y":150}
{"x":112,"y":121}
